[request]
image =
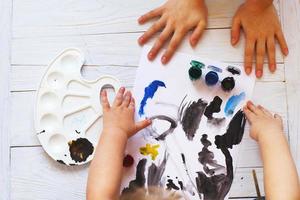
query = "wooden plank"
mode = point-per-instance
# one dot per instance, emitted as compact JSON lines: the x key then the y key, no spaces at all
{"x":26,"y":78}
{"x":121,"y":49}
{"x":5,"y":36}
{"x":36,"y":176}
{"x":271,"y":95}
{"x":291,"y":24}
{"x":37,"y":18}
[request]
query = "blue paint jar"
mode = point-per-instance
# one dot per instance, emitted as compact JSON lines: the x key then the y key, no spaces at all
{"x":211,"y":78}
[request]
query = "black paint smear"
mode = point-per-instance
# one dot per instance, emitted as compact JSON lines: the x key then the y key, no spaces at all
{"x":213,"y":107}
{"x":206,"y":158}
{"x":181,"y":185}
{"x":72,"y":164}
{"x":173,"y":125}
{"x":183,"y":158}
{"x":80,"y":149}
{"x":171,"y":185}
{"x":233,"y":70}
{"x":234,"y":133}
{"x":43,"y":131}
{"x":61,"y":162}
{"x":140,"y":179}
{"x":155,"y":172}
{"x":78,"y":132}
{"x":192,"y":116}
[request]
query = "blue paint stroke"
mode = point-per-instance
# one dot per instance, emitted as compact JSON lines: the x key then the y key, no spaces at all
{"x":232,"y":103}
{"x":149,"y":93}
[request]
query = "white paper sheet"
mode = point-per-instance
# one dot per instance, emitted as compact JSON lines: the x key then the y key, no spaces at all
{"x":168,"y":102}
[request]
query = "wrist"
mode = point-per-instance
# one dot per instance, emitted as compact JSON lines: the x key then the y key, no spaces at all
{"x":270,"y":137}
{"x":115,"y":133}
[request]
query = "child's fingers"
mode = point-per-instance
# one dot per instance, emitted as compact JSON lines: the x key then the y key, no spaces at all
{"x":104,"y":100}
{"x":235,"y":30}
{"x":278,"y":117}
{"x":162,"y":38}
{"x":119,"y":97}
{"x":260,"y":54}
{"x":197,"y":33}
{"x":253,"y":108}
{"x":132,"y":104}
{"x":249,"y":115}
{"x":265,"y":110}
{"x":153,"y":13}
{"x":174,"y":43}
{"x":248,"y":57}
{"x":271,"y":53}
{"x":127,"y":99}
{"x":280,"y":37}
{"x":157,"y":26}
{"x":142,"y":124}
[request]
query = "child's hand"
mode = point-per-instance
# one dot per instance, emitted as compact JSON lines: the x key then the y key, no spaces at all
{"x":176,"y":18}
{"x":260,"y":23}
{"x":263,"y":123}
{"x":119,"y":118}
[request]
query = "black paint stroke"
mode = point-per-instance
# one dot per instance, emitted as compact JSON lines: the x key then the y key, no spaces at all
{"x":173,"y":125}
{"x":61,"y":162}
{"x":78,"y":132}
{"x":155,"y":172}
{"x":206,"y":158}
{"x":216,"y":187}
{"x":214,"y":107}
{"x":172,"y":185}
{"x":233,"y":70}
{"x":80,"y":149}
{"x":140,"y":179}
{"x":234,"y":133}
{"x":43,"y":131}
{"x":191,"y":114}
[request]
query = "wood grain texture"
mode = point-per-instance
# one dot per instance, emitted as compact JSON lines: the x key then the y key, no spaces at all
{"x":291,"y":24}
{"x":122,"y":49}
{"x":5,"y":35}
{"x":37,"y":176}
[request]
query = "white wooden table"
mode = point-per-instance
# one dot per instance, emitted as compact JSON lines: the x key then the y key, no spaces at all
{"x":32,"y":32}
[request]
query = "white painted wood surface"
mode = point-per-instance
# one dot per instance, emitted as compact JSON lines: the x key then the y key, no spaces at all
{"x":107,"y":32}
{"x":5,"y":36}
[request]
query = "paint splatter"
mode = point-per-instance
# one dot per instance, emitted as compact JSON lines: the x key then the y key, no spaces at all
{"x":233,"y":70}
{"x":190,"y":118}
{"x":234,"y":132}
{"x":43,"y":131}
{"x":61,"y":162}
{"x":171,"y":185}
{"x":140,"y":179}
{"x":155,"y":173}
{"x":214,"y":107}
{"x":128,"y":161}
{"x":80,"y":149}
{"x":150,"y":150}
{"x":173,"y":125}
{"x":149,"y":92}
{"x":233,"y":102}
{"x":206,"y":158}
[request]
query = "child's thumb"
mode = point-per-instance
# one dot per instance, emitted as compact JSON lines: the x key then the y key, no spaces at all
{"x":142,"y":124}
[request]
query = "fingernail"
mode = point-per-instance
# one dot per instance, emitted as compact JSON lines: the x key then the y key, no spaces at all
{"x":233,"y":40}
{"x":272,"y":67}
{"x":164,"y":60}
{"x":248,"y":70}
{"x":286,"y":51}
{"x":150,"y":55}
{"x":141,"y":39}
{"x":258,"y":73}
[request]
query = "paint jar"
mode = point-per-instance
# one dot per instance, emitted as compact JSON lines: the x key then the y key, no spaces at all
{"x":228,"y":84}
{"x":195,"y":73}
{"x":211,"y":78}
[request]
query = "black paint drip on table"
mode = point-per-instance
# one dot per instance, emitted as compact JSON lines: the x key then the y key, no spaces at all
{"x":80,"y":149}
{"x":216,"y":187}
{"x":190,"y":116}
{"x":214,"y":107}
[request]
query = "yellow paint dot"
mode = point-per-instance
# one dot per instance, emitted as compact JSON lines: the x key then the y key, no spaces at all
{"x":150,"y":150}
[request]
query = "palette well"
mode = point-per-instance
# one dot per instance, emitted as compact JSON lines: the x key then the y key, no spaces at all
{"x":68,"y":114}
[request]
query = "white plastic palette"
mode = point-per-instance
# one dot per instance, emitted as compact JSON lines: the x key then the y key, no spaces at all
{"x":68,"y":115}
